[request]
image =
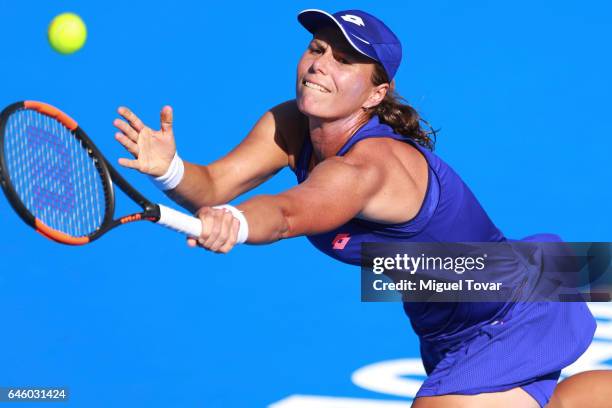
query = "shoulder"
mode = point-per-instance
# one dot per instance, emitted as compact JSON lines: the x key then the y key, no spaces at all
{"x":356,"y":175}
{"x":351,"y":171}
{"x":385,"y":152}
{"x":401,"y":173}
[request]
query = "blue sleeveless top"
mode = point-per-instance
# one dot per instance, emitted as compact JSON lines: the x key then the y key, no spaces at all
{"x":449,"y":213}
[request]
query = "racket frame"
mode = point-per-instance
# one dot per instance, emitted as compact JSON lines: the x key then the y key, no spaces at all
{"x":108,"y":175}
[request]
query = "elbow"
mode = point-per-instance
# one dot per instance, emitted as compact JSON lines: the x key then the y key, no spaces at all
{"x":285,"y":230}
{"x":270,"y":222}
{"x":284,"y":226}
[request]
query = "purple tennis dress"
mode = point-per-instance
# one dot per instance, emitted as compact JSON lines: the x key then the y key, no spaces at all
{"x":467,"y":348}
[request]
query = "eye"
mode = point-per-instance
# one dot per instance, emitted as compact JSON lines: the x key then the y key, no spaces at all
{"x":342,"y":60}
{"x":315,"y":50}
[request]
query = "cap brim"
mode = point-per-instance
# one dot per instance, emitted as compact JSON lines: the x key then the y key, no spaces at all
{"x":313,"y":19}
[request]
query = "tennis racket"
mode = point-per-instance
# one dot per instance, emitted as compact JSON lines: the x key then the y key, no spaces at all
{"x":61,"y":185}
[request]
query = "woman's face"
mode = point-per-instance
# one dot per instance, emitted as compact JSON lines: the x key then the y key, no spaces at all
{"x":333,"y":79}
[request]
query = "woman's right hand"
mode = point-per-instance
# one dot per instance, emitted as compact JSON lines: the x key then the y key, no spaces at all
{"x":153,"y":150}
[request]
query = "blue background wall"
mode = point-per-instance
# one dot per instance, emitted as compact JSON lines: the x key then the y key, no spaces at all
{"x":520,"y":91}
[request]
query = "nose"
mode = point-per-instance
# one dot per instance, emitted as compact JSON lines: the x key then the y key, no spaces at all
{"x":321,"y":63}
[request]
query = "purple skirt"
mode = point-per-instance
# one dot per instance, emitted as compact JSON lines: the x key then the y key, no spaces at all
{"x":527,"y":347}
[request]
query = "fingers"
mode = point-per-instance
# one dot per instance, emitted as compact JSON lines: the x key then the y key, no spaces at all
{"x":134,"y":121}
{"x":216,"y":230}
{"x":126,"y":142}
{"x":220,"y":230}
{"x":130,"y":164}
{"x":235,"y":226}
{"x":126,"y":129}
{"x":166,"y":119}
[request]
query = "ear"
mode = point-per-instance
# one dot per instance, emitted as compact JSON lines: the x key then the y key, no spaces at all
{"x":376,"y":96}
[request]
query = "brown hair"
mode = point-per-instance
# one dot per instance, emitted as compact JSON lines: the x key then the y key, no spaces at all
{"x":402,"y":118}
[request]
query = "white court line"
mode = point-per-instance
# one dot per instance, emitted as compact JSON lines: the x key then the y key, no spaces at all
{"x":315,"y":401}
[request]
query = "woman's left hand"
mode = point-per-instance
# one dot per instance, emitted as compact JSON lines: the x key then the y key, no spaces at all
{"x":219,"y":230}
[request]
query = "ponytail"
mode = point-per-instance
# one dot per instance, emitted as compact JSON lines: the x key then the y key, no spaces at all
{"x":401,"y":117}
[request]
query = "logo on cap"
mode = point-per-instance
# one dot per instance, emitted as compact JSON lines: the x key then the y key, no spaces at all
{"x":353,"y":19}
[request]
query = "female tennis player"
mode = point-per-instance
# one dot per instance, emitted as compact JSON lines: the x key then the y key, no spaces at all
{"x":366,"y":173}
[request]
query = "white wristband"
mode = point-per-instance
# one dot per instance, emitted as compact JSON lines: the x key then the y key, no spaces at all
{"x":173,"y":175}
{"x":243,"y":231}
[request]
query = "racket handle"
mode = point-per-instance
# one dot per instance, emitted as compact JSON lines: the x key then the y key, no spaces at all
{"x":179,"y":221}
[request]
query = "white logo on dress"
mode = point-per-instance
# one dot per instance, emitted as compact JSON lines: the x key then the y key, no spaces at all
{"x":353,"y":19}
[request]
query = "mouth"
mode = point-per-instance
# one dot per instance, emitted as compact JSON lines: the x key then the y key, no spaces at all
{"x":312,"y":85}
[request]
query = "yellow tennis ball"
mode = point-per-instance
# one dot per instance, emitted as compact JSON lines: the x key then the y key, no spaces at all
{"x":67,"y":33}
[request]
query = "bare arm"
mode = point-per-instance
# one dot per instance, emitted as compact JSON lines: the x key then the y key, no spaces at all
{"x":257,"y":158}
{"x":335,"y":192}
{"x":264,"y":151}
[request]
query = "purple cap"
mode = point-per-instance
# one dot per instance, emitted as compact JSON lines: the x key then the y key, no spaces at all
{"x":367,"y":34}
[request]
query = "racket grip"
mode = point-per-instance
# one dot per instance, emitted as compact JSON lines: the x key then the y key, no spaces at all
{"x":179,"y":221}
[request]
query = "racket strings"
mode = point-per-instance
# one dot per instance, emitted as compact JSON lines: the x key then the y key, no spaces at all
{"x":53,"y":174}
